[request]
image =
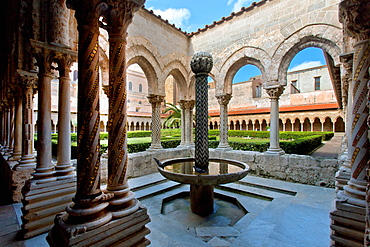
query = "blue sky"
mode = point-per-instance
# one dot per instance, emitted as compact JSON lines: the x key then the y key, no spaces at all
{"x":190,"y":15}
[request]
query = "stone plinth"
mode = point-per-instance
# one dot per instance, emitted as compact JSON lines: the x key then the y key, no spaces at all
{"x":42,"y":202}
{"x":130,"y":229}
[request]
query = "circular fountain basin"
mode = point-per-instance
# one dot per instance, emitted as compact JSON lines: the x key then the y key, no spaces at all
{"x":220,"y":171}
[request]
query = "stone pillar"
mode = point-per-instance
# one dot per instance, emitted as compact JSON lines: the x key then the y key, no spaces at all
{"x":201,"y":64}
{"x":10,"y":124}
{"x":119,"y":17}
{"x":350,"y":218}
{"x":95,"y":218}
{"x":45,"y":168}
{"x":28,"y":83}
{"x":17,"y":151}
{"x":344,"y":173}
{"x":156,"y":101}
{"x":64,"y":168}
{"x":224,"y":100}
{"x":274,"y":92}
{"x":187,"y":122}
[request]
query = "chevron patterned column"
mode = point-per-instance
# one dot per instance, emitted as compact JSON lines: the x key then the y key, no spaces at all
{"x":201,"y":65}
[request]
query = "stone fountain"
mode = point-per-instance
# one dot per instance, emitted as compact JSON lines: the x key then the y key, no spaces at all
{"x":201,"y":172}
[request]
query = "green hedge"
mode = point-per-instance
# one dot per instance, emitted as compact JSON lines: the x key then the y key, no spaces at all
{"x":284,"y":135}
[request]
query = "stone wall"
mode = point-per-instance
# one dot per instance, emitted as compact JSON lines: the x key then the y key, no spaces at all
{"x":289,"y":167}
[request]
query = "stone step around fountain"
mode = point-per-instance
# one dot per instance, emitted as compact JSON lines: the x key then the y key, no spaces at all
{"x":151,"y":185}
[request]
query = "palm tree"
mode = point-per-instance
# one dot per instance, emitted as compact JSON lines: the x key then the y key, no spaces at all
{"x":173,"y":120}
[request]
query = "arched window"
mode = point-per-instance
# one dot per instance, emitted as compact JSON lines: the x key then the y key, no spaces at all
{"x":130,"y":86}
{"x":140,"y":88}
{"x":140,"y":102}
{"x":128,"y":101}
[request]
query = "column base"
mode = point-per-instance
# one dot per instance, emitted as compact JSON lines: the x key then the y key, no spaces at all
{"x":155,"y":147}
{"x":42,"y":202}
{"x":275,"y":151}
{"x":224,"y":147}
{"x":127,"y":231}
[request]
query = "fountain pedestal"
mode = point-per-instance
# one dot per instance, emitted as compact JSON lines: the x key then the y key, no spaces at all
{"x":220,"y":171}
{"x":201,"y":199}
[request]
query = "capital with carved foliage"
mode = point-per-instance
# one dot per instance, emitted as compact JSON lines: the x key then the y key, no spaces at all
{"x":155,"y":98}
{"x":275,"y":91}
{"x":355,"y":16}
{"x":224,"y":99}
{"x":187,"y":104}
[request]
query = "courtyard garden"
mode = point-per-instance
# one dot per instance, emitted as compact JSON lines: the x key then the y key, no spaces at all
{"x":292,"y":142}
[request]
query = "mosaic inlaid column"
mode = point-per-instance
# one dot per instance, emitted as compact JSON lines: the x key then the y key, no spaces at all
{"x":45,"y":168}
{"x":350,"y":218}
{"x":274,"y":93}
{"x":201,"y":64}
{"x":89,"y":208}
{"x":119,"y":17}
{"x":17,"y":151}
{"x":64,"y":168}
{"x":224,"y":100}
{"x":28,"y":82}
{"x":156,"y":101}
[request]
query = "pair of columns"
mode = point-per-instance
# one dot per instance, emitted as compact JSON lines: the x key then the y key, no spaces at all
{"x":94,"y":210}
{"x":45,"y":171}
{"x":274,"y":92}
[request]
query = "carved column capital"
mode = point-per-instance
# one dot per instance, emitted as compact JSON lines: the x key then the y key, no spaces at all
{"x":275,"y":92}
{"x":201,"y":62}
{"x":27,"y":80}
{"x":355,"y":16}
{"x":224,"y":99}
{"x":65,"y":62}
{"x":187,"y":104}
{"x":153,"y":99}
{"x":118,"y":15}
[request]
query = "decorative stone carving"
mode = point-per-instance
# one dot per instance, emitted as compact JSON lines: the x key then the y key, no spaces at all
{"x":201,"y":64}
{"x":187,"y":121}
{"x":355,"y":16}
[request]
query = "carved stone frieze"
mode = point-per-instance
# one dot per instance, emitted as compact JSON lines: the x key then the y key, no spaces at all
{"x":355,"y":16}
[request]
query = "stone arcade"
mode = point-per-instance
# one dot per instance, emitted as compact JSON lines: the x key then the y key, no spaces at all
{"x":42,"y":37}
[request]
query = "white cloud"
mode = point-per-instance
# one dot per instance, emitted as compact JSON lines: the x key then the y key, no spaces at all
{"x":306,"y":65}
{"x":230,"y":2}
{"x":175,"y":16}
{"x":241,"y":3}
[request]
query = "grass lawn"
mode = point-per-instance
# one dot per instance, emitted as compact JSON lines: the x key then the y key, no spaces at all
{"x":240,"y":139}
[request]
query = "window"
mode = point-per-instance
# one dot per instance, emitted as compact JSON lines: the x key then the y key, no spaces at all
{"x":294,"y":88}
{"x":257,"y":91}
{"x":140,"y":102}
{"x":140,"y":88}
{"x":137,"y":109}
{"x":317,"y":83}
{"x":128,"y":101}
{"x":130,"y":86}
{"x":75,"y":75}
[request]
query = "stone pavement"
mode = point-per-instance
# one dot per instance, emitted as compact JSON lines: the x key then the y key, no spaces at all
{"x":330,"y":149}
{"x":276,"y":213}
